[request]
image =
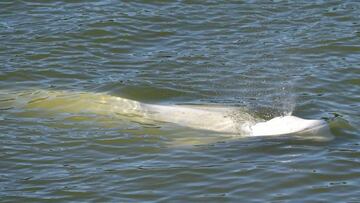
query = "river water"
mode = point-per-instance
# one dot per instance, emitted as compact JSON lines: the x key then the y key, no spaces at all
{"x":271,"y":57}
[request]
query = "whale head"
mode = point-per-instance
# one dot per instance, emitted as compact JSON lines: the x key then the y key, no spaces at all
{"x":292,"y":125}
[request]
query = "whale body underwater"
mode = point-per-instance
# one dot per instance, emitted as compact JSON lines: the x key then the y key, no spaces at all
{"x":223,"y":120}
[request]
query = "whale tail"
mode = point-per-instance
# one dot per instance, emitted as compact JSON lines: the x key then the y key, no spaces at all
{"x":71,"y":102}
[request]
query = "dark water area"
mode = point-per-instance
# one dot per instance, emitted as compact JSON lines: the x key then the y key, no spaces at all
{"x":271,"y":57}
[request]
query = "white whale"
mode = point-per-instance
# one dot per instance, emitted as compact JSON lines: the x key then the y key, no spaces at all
{"x":226,"y":121}
{"x":223,"y":120}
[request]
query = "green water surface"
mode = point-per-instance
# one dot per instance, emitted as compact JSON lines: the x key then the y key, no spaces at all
{"x":271,"y":57}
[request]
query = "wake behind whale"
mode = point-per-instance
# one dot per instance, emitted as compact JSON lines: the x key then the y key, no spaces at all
{"x":225,"y":121}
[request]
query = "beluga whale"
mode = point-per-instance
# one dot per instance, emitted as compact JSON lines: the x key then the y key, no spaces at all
{"x":223,"y":120}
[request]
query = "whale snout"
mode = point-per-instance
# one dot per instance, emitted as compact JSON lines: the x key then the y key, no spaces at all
{"x":292,"y":125}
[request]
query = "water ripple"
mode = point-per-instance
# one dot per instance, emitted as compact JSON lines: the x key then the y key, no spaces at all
{"x":272,"y":57}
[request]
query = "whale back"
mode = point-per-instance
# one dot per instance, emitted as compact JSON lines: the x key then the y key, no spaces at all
{"x":227,"y":121}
